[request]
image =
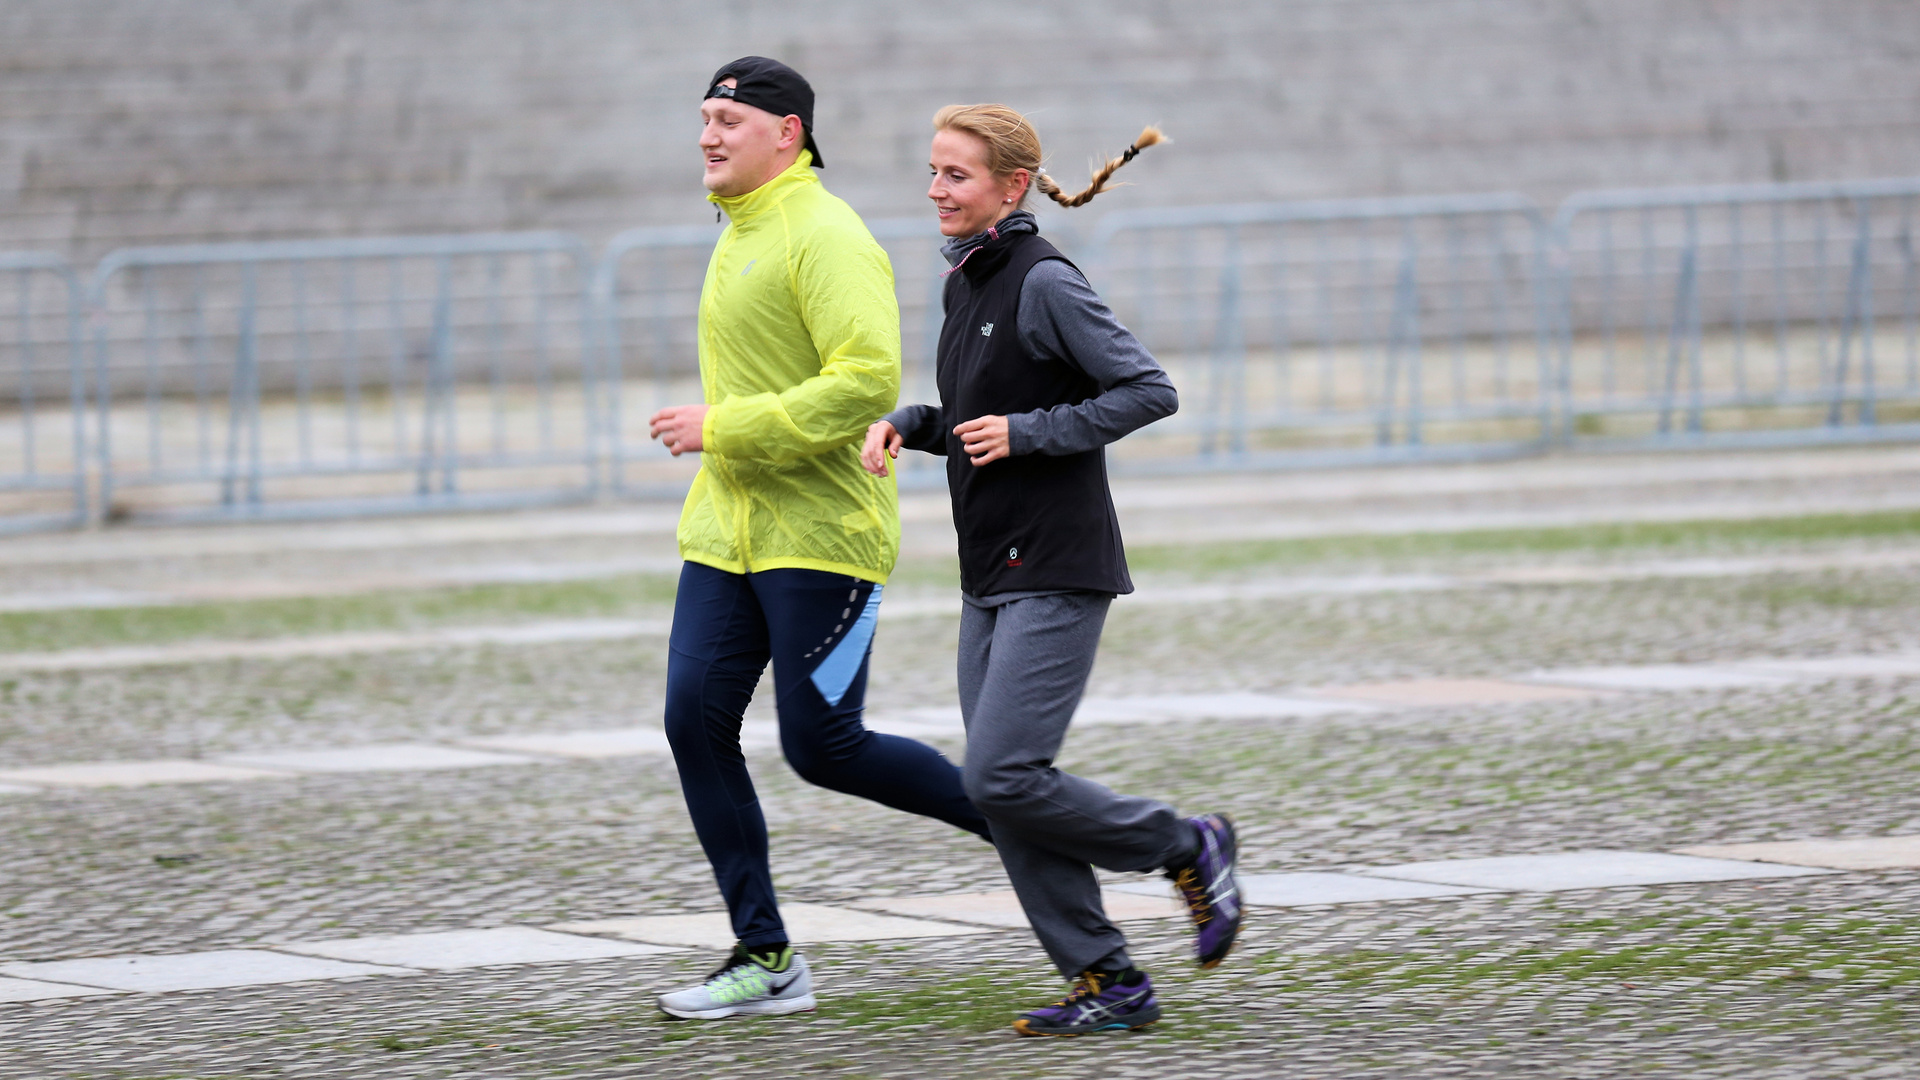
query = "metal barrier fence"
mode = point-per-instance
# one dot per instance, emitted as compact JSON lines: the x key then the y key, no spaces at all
{"x":1341,"y":330}
{"x":1753,"y":314}
{"x":43,"y":405}
{"x":345,"y":376}
{"x":351,"y":376}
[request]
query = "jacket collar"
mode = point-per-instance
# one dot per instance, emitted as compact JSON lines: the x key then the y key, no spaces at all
{"x":770,"y":194}
{"x":985,"y":251}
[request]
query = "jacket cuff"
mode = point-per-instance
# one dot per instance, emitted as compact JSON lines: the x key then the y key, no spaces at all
{"x":1020,"y":433}
{"x":706,"y":430}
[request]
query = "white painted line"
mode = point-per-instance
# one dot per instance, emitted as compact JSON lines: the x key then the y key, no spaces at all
{"x":1307,"y":888}
{"x":1854,"y":853}
{"x":17,"y":789}
{"x":1660,"y":677}
{"x":193,"y":652}
{"x":135,"y":773}
{"x":1583,"y":870}
{"x":194,"y":971}
{"x":1414,"y":693}
{"x":31,"y":990}
{"x":607,"y":743}
{"x":447,"y":950}
{"x":804,"y":922}
{"x":389,"y":757}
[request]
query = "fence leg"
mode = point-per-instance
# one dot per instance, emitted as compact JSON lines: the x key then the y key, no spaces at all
{"x":1859,"y":293}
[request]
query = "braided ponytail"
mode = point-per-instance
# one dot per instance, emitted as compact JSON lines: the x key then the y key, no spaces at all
{"x":1148,"y":137}
{"x":1012,"y":144}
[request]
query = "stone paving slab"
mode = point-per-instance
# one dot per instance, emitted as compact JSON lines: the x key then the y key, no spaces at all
{"x":1594,"y":869}
{"x":1660,"y":677}
{"x":944,"y":721}
{"x":804,"y":922}
{"x":1001,"y":907}
{"x":137,"y":773}
{"x":1308,"y":888}
{"x":391,"y":757}
{"x":1853,"y":853}
{"x":1162,"y":708}
{"x":194,"y":971}
{"x":1894,"y":665}
{"x":448,"y":950}
{"x":12,"y":990}
{"x":1437,"y":692}
{"x":608,"y":743}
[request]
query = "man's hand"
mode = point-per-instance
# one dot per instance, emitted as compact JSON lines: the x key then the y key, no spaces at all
{"x":678,"y":428}
{"x":984,"y":440}
{"x":883,"y":445}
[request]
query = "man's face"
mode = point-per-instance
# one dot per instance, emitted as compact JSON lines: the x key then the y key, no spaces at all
{"x":744,"y":147}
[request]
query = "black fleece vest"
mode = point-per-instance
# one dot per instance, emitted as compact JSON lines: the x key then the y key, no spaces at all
{"x":1030,"y":522}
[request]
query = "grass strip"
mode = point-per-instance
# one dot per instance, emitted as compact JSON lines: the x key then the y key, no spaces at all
{"x":1665,"y":537}
{"x":648,"y":593}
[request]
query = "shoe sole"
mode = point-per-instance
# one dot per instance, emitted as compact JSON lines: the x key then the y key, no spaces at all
{"x":806,"y":1003}
{"x":1024,"y":1028}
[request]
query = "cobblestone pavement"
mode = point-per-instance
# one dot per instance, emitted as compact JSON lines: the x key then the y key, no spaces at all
{"x":1800,"y":977}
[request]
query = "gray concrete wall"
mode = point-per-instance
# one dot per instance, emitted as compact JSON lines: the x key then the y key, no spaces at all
{"x":166,"y":120}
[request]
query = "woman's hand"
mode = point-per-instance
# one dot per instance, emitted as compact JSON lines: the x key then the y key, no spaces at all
{"x":984,"y":440}
{"x":678,"y":428}
{"x":883,"y":445}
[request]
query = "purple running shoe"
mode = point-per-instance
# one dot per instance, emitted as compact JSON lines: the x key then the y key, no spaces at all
{"x":1099,"y":1002}
{"x":1211,"y":890}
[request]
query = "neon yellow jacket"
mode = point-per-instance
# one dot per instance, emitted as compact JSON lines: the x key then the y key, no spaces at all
{"x":799,"y":352}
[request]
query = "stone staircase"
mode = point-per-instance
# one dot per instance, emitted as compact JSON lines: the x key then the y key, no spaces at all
{"x":182,"y":120}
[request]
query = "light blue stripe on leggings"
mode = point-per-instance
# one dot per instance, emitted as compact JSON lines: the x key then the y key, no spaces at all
{"x":836,"y":672}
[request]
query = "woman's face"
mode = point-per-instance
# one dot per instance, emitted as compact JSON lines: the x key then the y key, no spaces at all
{"x":966,"y":195}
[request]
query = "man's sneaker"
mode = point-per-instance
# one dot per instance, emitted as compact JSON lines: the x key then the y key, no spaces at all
{"x":1099,"y":1002}
{"x":1211,"y":890}
{"x":747,"y":985}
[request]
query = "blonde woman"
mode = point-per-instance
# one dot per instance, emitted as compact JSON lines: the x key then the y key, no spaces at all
{"x":1036,"y":377}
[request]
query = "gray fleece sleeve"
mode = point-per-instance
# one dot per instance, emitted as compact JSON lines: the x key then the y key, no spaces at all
{"x":921,"y":427}
{"x":1062,"y":318}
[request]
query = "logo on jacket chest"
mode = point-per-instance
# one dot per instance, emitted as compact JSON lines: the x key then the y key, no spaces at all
{"x":986,"y":330}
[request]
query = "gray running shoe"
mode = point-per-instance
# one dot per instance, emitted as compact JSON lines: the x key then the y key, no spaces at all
{"x":746,"y":986}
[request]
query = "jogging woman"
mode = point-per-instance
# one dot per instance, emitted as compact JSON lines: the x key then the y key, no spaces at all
{"x":1036,"y":377}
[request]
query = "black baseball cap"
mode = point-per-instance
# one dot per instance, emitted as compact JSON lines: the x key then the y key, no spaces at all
{"x":770,"y":85}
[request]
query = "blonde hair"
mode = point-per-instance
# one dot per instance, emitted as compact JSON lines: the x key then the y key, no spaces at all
{"x":1012,"y":144}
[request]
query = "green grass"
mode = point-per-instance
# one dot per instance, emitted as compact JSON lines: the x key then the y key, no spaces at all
{"x":635,"y":594}
{"x":652,"y":594}
{"x":1663,"y":537}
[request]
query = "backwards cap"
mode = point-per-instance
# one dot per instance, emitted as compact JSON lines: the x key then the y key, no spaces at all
{"x":770,"y":85}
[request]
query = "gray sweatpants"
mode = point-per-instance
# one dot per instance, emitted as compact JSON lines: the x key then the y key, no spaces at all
{"x":1023,"y":666}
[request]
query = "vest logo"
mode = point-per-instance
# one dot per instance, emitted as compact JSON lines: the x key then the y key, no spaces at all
{"x":1013,"y":556}
{"x":987,"y":330}
{"x":750,"y":263}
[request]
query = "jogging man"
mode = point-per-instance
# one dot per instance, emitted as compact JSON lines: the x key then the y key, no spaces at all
{"x":786,"y":539}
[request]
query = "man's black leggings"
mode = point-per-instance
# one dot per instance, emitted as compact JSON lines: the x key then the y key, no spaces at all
{"x":817,"y":628}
